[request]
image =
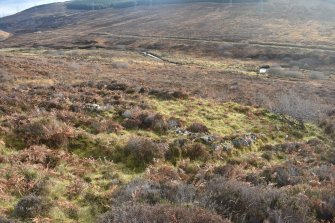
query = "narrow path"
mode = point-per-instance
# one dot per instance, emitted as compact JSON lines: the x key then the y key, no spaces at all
{"x":252,"y":43}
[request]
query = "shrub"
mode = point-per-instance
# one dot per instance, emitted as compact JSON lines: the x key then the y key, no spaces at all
{"x":236,"y":198}
{"x":4,"y":77}
{"x":182,"y":148}
{"x":329,"y":126}
{"x":140,"y":152}
{"x":159,"y":213}
{"x":245,"y":203}
{"x":167,"y":95}
{"x":189,"y":167}
{"x":5,"y":220}
{"x":114,"y":86}
{"x":294,"y":105}
{"x":197,"y":128}
{"x":174,"y":123}
{"x":163,"y":173}
{"x":74,"y":189}
{"x":284,"y":175}
{"x":120,"y":65}
{"x":39,"y":155}
{"x":72,"y":212}
{"x":325,"y":172}
{"x":330,"y":157}
{"x":26,"y":180}
{"x":139,"y":190}
{"x":325,"y":210}
{"x":180,"y":95}
{"x":268,"y":155}
{"x":133,"y":113}
{"x":228,"y":171}
{"x":255,"y":179}
{"x":154,"y":122}
{"x":130,"y":123}
{"x":136,"y":118}
{"x":281,"y":72}
{"x":109,"y":126}
{"x":330,"y":129}
{"x":151,"y":192}
{"x":315,"y":75}
{"x":173,"y":154}
{"x":96,"y":200}
{"x":40,"y":187}
{"x":197,"y":151}
{"x":178,"y":192}
{"x":48,"y":131}
{"x":51,"y":105}
{"x":29,"y":207}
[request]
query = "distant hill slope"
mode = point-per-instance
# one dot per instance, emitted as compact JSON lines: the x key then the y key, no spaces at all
{"x":276,"y":21}
{"x":102,"y":4}
{"x":48,"y":16}
{"x":4,"y":35}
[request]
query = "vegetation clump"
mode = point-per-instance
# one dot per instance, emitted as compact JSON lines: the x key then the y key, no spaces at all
{"x":39,"y":155}
{"x":168,"y":95}
{"x":5,"y":220}
{"x":29,"y":207}
{"x":139,"y":152}
{"x":284,"y":175}
{"x":329,"y":124}
{"x":197,"y":128}
{"x":136,"y":118}
{"x":254,"y":204}
{"x":160,"y":213}
{"x":46,"y":130}
{"x":281,"y":72}
{"x":153,"y":192}
{"x":197,"y":151}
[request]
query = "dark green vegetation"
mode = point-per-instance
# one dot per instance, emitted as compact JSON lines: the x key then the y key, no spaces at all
{"x":103,"y":4}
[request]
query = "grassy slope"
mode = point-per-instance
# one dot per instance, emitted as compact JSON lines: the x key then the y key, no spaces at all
{"x":79,"y":187}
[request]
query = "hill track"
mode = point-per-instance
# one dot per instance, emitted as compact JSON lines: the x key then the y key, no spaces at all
{"x":204,"y":40}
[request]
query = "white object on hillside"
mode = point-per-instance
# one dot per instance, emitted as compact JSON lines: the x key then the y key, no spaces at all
{"x":263,"y":71}
{"x":152,"y":56}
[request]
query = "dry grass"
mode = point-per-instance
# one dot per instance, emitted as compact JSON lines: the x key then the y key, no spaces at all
{"x":4,"y":35}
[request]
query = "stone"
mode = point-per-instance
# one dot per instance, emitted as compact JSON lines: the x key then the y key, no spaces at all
{"x":93,"y":107}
